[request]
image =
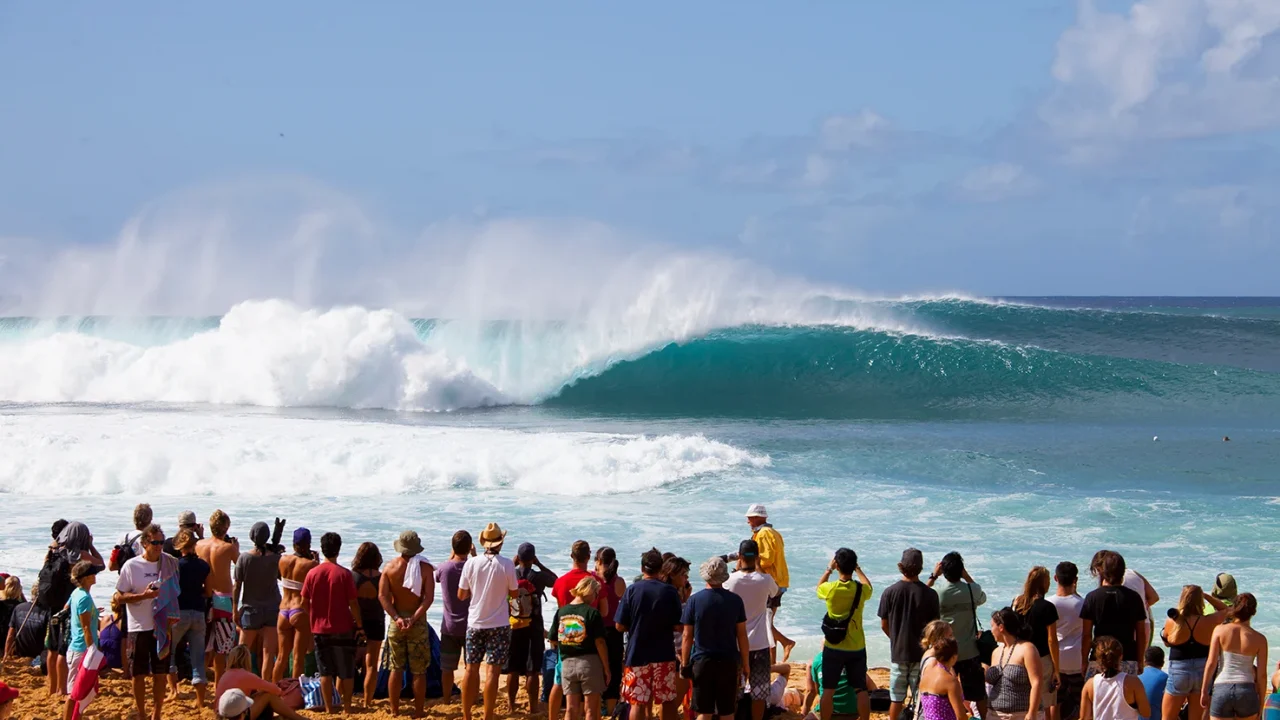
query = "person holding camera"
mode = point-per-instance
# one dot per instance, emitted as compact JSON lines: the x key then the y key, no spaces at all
{"x":844,"y":649}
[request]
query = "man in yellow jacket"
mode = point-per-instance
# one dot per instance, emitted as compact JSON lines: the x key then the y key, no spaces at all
{"x":773,"y":562}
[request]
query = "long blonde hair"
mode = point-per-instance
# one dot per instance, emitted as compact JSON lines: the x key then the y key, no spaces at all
{"x":1035,"y":588}
{"x":1191,"y":602}
{"x":240,"y":658}
{"x":13,"y":589}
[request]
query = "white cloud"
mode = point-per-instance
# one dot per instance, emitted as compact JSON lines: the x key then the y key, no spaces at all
{"x":1167,"y":69}
{"x":841,"y":133}
{"x":818,"y":170}
{"x":999,"y":181}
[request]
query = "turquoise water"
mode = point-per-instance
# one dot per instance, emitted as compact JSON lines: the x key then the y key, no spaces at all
{"x":1018,"y":434}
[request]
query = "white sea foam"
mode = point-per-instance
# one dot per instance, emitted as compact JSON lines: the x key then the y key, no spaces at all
{"x":177,"y":454}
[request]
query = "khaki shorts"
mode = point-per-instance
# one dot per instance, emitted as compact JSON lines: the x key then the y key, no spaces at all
{"x":582,"y":675}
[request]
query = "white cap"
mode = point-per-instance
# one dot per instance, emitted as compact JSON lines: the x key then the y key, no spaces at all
{"x":757,"y":510}
{"x":233,"y":704}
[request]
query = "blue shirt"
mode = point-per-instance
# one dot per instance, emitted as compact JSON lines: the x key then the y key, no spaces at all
{"x":82,"y":603}
{"x":714,"y":614}
{"x":650,"y":610}
{"x":1153,"y":681}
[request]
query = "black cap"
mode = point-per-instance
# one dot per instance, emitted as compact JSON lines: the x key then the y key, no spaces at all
{"x":748,"y":548}
{"x":259,"y":533}
{"x":526,"y":552}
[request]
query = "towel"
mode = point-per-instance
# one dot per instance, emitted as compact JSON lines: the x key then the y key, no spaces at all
{"x":85,"y":688}
{"x":413,"y":574}
{"x":167,"y":612}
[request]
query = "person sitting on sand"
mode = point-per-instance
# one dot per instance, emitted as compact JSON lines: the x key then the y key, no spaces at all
{"x":846,"y":698}
{"x":366,"y":567}
{"x":715,"y":652}
{"x":406,"y":591}
{"x":293,"y":626}
{"x":488,"y":580}
{"x":256,"y":595}
{"x":111,"y":637}
{"x":11,"y":596}
{"x":264,"y":696}
{"x":329,"y":601}
{"x":221,"y":553}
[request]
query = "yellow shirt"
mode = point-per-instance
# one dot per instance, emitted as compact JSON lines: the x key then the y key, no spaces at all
{"x":773,"y":556}
{"x":839,"y":597}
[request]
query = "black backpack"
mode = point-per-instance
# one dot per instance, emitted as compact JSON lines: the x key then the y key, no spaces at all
{"x":835,"y":631}
{"x":123,"y":553}
{"x":53,"y":584}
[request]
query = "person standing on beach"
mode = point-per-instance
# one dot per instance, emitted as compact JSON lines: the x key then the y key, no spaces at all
{"x":906,"y":607}
{"x":959,"y":598}
{"x":138,"y":587}
{"x":186,"y":521}
{"x":846,"y":655}
{"x":562,"y":591}
{"x":1070,"y":642}
{"x":650,"y":613}
{"x":1041,"y":617}
{"x":1113,"y":610}
{"x":715,"y":651}
{"x":221,"y":553}
{"x":293,"y":626}
{"x":528,"y":634}
{"x":756,"y":590}
{"x":193,"y":598}
{"x":773,"y":562}
{"x":366,"y":568}
{"x":406,"y":591}
{"x":84,"y":625}
{"x":453,"y":626}
{"x":488,"y":580}
{"x":256,"y":595}
{"x":612,"y":586}
{"x":329,"y":602}
{"x":130,"y":545}
{"x":577,"y":634}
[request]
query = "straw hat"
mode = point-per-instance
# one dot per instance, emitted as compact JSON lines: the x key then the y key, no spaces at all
{"x":492,"y":536}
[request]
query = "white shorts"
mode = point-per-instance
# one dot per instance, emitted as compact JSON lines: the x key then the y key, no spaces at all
{"x":73,"y":667}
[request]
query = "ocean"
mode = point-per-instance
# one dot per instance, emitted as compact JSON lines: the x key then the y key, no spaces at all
{"x":1018,"y":431}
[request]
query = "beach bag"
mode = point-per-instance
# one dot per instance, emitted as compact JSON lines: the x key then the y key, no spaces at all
{"x":291,"y":693}
{"x":835,"y":630}
{"x":521,"y":605}
{"x":312,"y":698}
{"x":986,"y":640}
{"x":880,"y":700}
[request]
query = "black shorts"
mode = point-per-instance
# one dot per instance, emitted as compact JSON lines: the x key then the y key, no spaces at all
{"x":1069,"y":696}
{"x":451,"y":650}
{"x":850,"y":662}
{"x":336,"y":656}
{"x":527,"y":647}
{"x":972,"y":682}
{"x":616,"y":645}
{"x":57,"y":637}
{"x":142,"y":657}
{"x":715,"y":687}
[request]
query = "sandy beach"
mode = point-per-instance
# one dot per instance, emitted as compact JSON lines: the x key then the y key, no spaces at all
{"x":116,"y":703}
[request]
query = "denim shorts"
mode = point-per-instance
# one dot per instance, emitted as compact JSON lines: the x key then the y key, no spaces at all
{"x":1185,"y":677}
{"x":1235,"y":701}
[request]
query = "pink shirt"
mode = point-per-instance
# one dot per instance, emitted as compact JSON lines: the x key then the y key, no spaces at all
{"x":244,"y":681}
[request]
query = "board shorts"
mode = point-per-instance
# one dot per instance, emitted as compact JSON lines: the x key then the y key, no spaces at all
{"x":652,"y":683}
{"x":488,"y":645}
{"x":141,"y":656}
{"x":851,"y":663}
{"x":758,"y":674}
{"x":904,"y":679}
{"x":409,"y":649}
{"x":527,"y":646}
{"x":775,"y":602}
{"x":221,"y":635}
{"x":451,"y":649}
{"x":336,"y":655}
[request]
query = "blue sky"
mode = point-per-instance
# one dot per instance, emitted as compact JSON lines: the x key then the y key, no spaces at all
{"x":1028,"y":147}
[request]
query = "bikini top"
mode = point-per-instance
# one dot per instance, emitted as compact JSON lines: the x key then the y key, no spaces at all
{"x":361,"y":579}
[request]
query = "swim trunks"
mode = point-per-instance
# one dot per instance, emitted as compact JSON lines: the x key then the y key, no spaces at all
{"x":409,"y":649}
{"x":222,"y":635}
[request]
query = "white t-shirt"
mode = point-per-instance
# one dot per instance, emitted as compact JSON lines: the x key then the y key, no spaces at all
{"x":491,"y":579}
{"x":1070,"y":630}
{"x":135,"y":576}
{"x":1134,"y":582}
{"x":755,"y":589}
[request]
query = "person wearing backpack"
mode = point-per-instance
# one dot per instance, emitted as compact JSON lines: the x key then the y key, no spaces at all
{"x":130,"y":545}
{"x":844,"y":649}
{"x":528,"y":638}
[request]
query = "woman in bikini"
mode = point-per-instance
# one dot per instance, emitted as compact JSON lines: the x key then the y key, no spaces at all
{"x":941,"y":697}
{"x":367,"y":568}
{"x":294,"y":626}
{"x":1188,"y":632}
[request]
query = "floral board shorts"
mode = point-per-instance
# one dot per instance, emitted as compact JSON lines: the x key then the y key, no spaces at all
{"x":488,"y":645}
{"x":652,"y":683}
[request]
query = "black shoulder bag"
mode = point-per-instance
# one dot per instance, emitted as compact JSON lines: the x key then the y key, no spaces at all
{"x":986,"y":640}
{"x":836,"y":630}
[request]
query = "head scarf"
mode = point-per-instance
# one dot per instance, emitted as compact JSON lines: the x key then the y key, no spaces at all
{"x":74,"y":539}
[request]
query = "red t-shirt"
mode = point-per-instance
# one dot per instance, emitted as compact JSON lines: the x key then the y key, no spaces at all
{"x":330,"y":588}
{"x":563,"y":591}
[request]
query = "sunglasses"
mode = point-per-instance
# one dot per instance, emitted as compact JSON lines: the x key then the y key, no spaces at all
{"x":156,"y":542}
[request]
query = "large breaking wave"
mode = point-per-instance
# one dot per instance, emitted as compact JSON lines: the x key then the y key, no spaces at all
{"x":818,"y":357}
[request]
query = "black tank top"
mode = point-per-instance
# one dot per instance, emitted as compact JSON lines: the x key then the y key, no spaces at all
{"x":1191,"y":649}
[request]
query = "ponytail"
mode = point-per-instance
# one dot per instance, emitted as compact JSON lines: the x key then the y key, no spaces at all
{"x":1013,"y":624}
{"x":1245,"y":608}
